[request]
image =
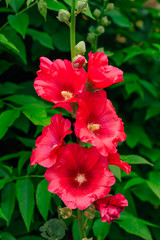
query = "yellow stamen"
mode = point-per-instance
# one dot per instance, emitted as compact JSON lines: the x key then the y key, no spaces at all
{"x":93,"y":127}
{"x":67,"y":95}
{"x":80,"y":178}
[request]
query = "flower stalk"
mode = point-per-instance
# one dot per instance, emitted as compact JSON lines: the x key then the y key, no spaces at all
{"x":80,"y":224}
{"x":72,"y":31}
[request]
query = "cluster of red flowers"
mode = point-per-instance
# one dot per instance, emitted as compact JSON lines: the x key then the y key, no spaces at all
{"x":80,"y":176}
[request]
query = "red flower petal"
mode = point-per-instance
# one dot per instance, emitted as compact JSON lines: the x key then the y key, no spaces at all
{"x":59,"y":81}
{"x":97,"y":122}
{"x":80,"y":176}
{"x":49,"y":143}
{"x":114,"y":159}
{"x":110,"y":207}
{"x":100,"y":74}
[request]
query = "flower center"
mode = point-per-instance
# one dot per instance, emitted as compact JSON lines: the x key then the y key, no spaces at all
{"x":80,"y":178}
{"x":54,"y":146}
{"x":93,"y":127}
{"x":67,"y":95}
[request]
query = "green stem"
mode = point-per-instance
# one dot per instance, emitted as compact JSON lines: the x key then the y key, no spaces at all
{"x":80,"y":224}
{"x":25,"y":9}
{"x":95,"y":44}
{"x":72,"y":31}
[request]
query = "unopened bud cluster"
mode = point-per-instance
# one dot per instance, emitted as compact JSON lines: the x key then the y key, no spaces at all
{"x":82,"y":6}
{"x":63,"y":16}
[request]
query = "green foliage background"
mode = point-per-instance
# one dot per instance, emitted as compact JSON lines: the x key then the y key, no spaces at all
{"x":132,"y":43}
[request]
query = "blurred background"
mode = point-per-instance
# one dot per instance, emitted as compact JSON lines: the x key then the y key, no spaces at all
{"x":131,"y":39}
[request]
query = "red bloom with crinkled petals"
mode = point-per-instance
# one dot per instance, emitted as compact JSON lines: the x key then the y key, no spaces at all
{"x":58,"y":81}
{"x":100,"y":74}
{"x":114,"y":159}
{"x":97,"y":122}
{"x":51,"y":140}
{"x":80,"y":176}
{"x":110,"y":207}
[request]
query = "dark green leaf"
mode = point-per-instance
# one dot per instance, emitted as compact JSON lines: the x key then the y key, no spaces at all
{"x":42,"y":37}
{"x":2,"y":215}
{"x":7,"y":119}
{"x":19,"y":23}
{"x":30,"y":237}
{"x":101,"y":229}
{"x":29,"y":2}
{"x":25,"y":196}
{"x":5,"y":65}
{"x":135,"y":159}
{"x":7,"y":2}
{"x":8,"y":197}
{"x":9,"y":88}
{"x":43,"y":198}
{"x":16,"y":4}
{"x":6,"y":236}
{"x":26,"y":141}
{"x":119,"y":19}
{"x":24,"y":157}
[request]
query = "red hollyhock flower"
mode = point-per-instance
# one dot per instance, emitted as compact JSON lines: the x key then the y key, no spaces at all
{"x":100,"y":74}
{"x":97,"y":122}
{"x":114,"y":159}
{"x":80,"y":176}
{"x":59,"y":81}
{"x":110,"y":207}
{"x":51,"y":140}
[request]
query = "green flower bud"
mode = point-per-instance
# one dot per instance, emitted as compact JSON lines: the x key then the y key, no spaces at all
{"x":80,"y":48}
{"x":97,"y":13}
{"x":82,"y":6}
{"x":110,"y":7}
{"x":90,"y":37}
{"x":100,"y":30}
{"x":63,"y":15}
{"x":104,"y":21}
{"x":100,"y":49}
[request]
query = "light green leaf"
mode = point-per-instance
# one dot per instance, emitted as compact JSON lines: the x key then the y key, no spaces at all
{"x":6,"y":236}
{"x":29,"y":2}
{"x":42,"y":37}
{"x":155,"y":187}
{"x":135,"y":159}
{"x":119,"y":19}
{"x":19,"y":23}
{"x":21,"y":99}
{"x":37,"y":114}
{"x":4,"y":41}
{"x":7,"y":3}
{"x":16,"y":4}
{"x":42,"y":7}
{"x":7,"y":119}
{"x":116,"y":171}
{"x":43,"y":198}
{"x":55,"y":5}
{"x":25,"y":196}
{"x":134,"y":225}
{"x":101,"y":229}
{"x":8,"y":197}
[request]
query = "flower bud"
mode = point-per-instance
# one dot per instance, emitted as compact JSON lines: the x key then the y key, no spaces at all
{"x":80,"y":48}
{"x":82,"y":6}
{"x":104,"y":21}
{"x":63,"y":15}
{"x":110,"y":7}
{"x":100,"y":49}
{"x":65,"y":212}
{"x":79,"y":61}
{"x":90,"y":37}
{"x":97,"y":13}
{"x":90,"y":212}
{"x":100,"y":30}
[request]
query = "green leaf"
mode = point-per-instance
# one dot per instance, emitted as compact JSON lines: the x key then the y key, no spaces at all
{"x":75,"y":231}
{"x":42,"y":7}
{"x":25,"y":196}
{"x":5,"y":65}
{"x":7,"y":3}
{"x":8,"y":197}
{"x":119,"y":19}
{"x":2,"y":215}
{"x":23,"y":159}
{"x":132,"y":52}
{"x":135,"y":159}
{"x":133,"y":182}
{"x":10,"y":156}
{"x":116,"y":172}
{"x":7,"y":119}
{"x":29,"y":2}
{"x":37,"y":114}
{"x":134,"y":225}
{"x":6,"y":236}
{"x":16,"y":4}
{"x":101,"y":229}
{"x":22,"y":123}
{"x":42,"y":37}
{"x":9,"y":88}
{"x":155,"y":187}
{"x":19,"y":23}
{"x":21,"y":99}
{"x":152,"y":112}
{"x":13,"y":37}
{"x":55,"y":5}
{"x":43,"y":198}
{"x":4,"y":41}
{"x":150,"y":87}
{"x":28,"y":142}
